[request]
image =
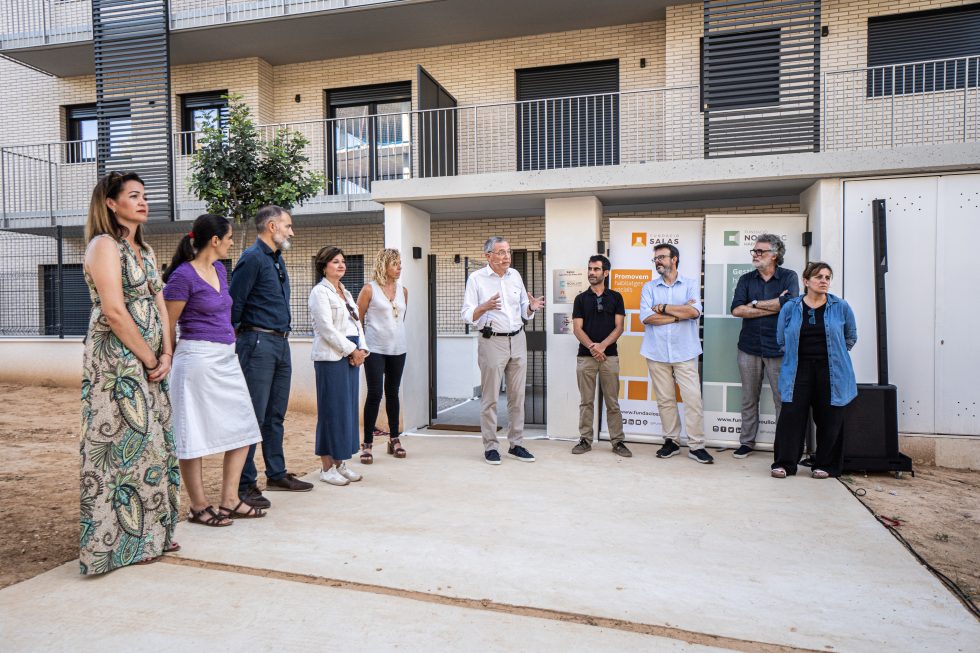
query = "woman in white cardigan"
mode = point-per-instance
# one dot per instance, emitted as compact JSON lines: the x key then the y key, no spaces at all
{"x":339,"y":349}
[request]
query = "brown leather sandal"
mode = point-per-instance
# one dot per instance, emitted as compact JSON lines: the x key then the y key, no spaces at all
{"x":234,"y":513}
{"x":395,"y":448}
{"x":366,"y":456}
{"x":208,"y":516}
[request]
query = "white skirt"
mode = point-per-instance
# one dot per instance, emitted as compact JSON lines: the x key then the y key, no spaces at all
{"x":211,"y":405}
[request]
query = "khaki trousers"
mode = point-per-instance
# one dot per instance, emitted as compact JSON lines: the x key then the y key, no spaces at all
{"x":502,"y":357}
{"x":685,"y":375}
{"x":586,"y":370}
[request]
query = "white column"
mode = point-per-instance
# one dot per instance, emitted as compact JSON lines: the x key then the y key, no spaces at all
{"x":407,"y":227}
{"x":823,"y":204}
{"x":572,"y":227}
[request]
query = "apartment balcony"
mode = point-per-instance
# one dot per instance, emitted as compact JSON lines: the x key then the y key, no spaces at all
{"x":913,"y":114}
{"x":56,"y":35}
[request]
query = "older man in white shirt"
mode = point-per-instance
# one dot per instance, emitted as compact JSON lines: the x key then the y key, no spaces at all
{"x":497,"y":303}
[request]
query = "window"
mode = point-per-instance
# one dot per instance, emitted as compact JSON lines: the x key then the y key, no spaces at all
{"x":741,"y":71}
{"x":924,"y":51}
{"x":83,"y":131}
{"x":198,"y":110}
{"x":371,"y":136}
{"x":568,"y":116}
{"x":75,"y":301}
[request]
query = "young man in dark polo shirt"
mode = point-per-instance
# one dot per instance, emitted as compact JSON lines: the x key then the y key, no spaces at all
{"x":758,"y":298}
{"x":598,"y":315}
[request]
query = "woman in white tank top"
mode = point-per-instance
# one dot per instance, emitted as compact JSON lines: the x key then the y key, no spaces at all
{"x":382,"y":305}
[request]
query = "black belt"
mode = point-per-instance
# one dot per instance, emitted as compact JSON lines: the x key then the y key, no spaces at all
{"x":281,"y":334}
{"x":512,"y":333}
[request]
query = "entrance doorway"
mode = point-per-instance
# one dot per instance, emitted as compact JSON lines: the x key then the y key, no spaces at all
{"x":454,"y":377}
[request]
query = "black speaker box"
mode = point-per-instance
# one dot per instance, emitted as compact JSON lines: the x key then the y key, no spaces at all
{"x":871,"y":431}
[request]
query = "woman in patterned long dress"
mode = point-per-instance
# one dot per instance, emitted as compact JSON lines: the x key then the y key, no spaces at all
{"x":130,"y":480}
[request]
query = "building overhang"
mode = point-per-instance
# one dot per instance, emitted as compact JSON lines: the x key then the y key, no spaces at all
{"x":709,"y":182}
{"x":366,"y":29}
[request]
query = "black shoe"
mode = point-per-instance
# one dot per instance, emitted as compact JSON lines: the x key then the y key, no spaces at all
{"x":620,"y":449}
{"x":669,"y":449}
{"x":492,"y":457}
{"x":743,"y":452}
{"x":700,"y":455}
{"x":521,"y":454}
{"x":253,"y":497}
{"x":288,"y":483}
{"x":583,"y":446}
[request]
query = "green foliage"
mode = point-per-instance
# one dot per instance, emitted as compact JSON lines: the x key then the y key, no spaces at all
{"x":235,"y":171}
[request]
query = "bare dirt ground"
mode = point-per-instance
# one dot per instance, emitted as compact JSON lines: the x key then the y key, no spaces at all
{"x":938,"y":509}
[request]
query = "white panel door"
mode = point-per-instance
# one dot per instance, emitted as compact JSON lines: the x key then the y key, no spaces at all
{"x":910,"y":290}
{"x":958,"y":306}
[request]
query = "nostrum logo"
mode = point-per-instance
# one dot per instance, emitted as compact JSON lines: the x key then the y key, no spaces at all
{"x":731,"y":239}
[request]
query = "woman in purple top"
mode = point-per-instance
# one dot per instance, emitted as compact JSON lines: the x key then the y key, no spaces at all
{"x":211,"y":405}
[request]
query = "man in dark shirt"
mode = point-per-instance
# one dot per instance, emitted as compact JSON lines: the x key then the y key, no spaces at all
{"x":597,"y":321}
{"x":758,"y":297}
{"x":260,"y":314}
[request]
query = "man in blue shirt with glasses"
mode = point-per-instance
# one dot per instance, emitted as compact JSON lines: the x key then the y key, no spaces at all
{"x":670,"y":307}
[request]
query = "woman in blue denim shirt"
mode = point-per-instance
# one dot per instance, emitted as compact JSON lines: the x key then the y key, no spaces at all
{"x":816,"y":332}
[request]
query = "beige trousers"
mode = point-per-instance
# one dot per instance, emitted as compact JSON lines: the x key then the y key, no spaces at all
{"x":685,"y":375}
{"x":502,"y":357}
{"x":586,"y":370}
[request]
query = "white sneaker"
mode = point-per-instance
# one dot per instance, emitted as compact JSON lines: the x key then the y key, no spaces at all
{"x":333,"y":477}
{"x":348,"y":473}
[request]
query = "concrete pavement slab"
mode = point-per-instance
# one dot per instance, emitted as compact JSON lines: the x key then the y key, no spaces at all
{"x":166,"y":607}
{"x":720,"y":549}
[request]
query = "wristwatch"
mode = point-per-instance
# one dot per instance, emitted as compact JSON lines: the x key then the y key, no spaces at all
{"x":755,"y":302}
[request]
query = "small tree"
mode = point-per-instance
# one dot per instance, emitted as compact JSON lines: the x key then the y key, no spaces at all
{"x":235,"y":171}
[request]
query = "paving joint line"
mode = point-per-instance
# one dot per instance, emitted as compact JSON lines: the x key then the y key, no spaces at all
{"x":669,"y":632}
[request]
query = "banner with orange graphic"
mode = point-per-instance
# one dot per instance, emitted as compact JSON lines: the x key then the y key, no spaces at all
{"x":631,"y":243}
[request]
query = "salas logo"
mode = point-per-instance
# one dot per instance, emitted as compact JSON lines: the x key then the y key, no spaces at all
{"x":665,"y":239}
{"x":638,"y":239}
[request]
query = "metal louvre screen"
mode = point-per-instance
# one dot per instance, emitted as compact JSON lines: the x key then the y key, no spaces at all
{"x":761,"y":77}
{"x":132,"y":85}
{"x":568,"y":116}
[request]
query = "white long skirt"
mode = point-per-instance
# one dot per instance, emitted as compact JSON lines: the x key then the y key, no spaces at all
{"x":211,"y":405}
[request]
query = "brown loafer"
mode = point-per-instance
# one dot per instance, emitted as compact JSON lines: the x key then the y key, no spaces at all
{"x":288,"y":483}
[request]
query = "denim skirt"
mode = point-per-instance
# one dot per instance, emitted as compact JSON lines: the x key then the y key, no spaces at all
{"x":337,"y":386}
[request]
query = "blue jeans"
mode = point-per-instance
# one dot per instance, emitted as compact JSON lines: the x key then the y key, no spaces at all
{"x":268,"y":369}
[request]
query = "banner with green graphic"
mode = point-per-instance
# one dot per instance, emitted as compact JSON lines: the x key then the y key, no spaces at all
{"x":728,"y":239}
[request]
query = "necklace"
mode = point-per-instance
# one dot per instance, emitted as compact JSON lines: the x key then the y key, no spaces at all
{"x":391,"y":300}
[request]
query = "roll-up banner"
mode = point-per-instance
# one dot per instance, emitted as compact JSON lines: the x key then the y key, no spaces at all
{"x":728,"y":239}
{"x":631,"y":243}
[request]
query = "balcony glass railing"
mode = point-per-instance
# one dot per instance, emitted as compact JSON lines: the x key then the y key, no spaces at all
{"x":927,"y":103}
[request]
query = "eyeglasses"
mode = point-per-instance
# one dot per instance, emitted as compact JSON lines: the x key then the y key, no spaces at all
{"x":660,"y":257}
{"x":812,"y":314}
{"x":759,"y":252}
{"x":598,"y":305}
{"x":502,"y":252}
{"x":394,"y":311}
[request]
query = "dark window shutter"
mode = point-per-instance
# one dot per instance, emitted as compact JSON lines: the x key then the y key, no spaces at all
{"x":373,"y":94}
{"x":897,"y":42}
{"x":76,"y":301}
{"x":570,"y":80}
{"x":557,"y":126}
